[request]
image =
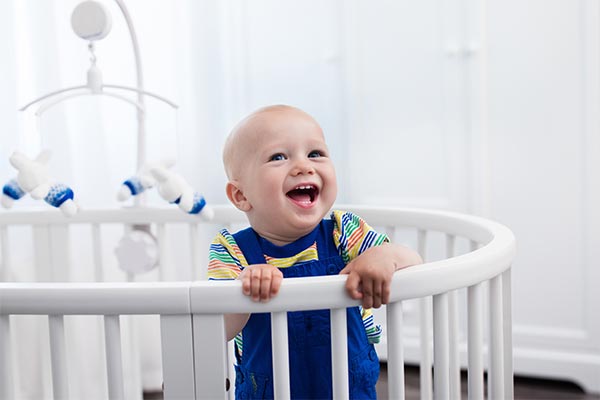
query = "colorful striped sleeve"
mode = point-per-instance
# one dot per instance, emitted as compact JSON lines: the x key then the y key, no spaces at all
{"x":373,"y":331}
{"x":352,"y":235}
{"x":225,"y":259}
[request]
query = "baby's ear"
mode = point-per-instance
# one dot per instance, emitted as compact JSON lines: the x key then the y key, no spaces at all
{"x":236,"y":196}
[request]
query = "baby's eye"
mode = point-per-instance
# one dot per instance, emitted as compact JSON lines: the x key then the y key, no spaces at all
{"x":316,"y":153}
{"x":277,"y":157}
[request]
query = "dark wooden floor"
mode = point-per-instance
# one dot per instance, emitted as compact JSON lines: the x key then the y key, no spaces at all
{"x":525,"y":388}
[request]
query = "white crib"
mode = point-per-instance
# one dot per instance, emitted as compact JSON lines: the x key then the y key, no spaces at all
{"x":195,"y":357}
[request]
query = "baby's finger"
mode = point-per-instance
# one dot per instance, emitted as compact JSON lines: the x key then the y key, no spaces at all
{"x":265,"y":286}
{"x":377,"y":294}
{"x":367,"y":289}
{"x":255,"y":277}
{"x":352,"y":286}
{"x":386,"y":291}
{"x":245,"y":278}
{"x":276,"y":282}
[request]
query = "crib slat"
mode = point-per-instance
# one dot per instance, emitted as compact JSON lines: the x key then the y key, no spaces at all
{"x":422,"y":243}
{"x":453,"y":327}
{"x":162,"y":252}
{"x":58,"y":357}
{"x":5,"y":253}
{"x":6,"y":378}
{"x":177,"y":356}
{"x":210,"y":344}
{"x":97,"y":251}
{"x":114,"y":362}
{"x":441,"y":387}
{"x":425,"y":326}
{"x":42,"y":255}
{"x":199,"y":268}
{"x":395,"y":363}
{"x":450,"y":243}
{"x":131,"y":355}
{"x":508,"y":346}
{"x":454,"y":371}
{"x":231,"y":369}
{"x":339,"y":354}
{"x":281,"y":363}
{"x":473,"y":245}
{"x":475,"y":341}
{"x":60,"y":243}
{"x":496,"y":369}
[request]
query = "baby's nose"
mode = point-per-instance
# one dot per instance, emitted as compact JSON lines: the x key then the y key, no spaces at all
{"x":303,"y":167}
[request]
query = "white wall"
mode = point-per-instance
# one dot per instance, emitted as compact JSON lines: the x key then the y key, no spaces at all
{"x":544,"y":152}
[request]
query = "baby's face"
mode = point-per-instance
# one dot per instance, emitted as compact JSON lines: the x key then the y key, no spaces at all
{"x":287,"y":176}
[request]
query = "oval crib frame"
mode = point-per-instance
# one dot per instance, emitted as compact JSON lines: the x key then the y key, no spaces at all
{"x":186,"y":307}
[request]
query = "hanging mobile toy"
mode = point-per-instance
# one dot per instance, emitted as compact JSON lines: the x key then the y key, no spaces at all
{"x":174,"y":189}
{"x":91,"y":21}
{"x":11,"y":192}
{"x":142,"y":180}
{"x":33,"y":178}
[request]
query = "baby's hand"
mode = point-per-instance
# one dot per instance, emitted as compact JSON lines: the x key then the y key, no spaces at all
{"x":370,"y":274}
{"x":261,"y":281}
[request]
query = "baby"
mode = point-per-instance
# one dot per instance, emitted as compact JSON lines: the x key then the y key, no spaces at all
{"x":281,"y":175}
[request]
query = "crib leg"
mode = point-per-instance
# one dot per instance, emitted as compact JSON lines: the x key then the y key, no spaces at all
{"x":441,"y":364}
{"x":281,"y":363}
{"x":425,"y":376}
{"x":508,"y":347}
{"x":339,"y":354}
{"x":114,"y":360}
{"x":58,"y":357}
{"x":210,"y":344}
{"x":395,"y":351}
{"x":496,"y":351}
{"x":453,"y":321}
{"x":177,"y":357}
{"x":6,"y":388}
{"x":475,"y":341}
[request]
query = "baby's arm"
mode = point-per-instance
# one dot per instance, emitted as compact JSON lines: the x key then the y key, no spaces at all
{"x":260,"y":282}
{"x":370,"y":274}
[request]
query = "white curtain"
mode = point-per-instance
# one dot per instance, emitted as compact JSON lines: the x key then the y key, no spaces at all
{"x":93,"y":139}
{"x":218,"y":60}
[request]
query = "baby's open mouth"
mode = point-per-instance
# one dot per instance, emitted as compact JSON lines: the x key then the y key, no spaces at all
{"x":304,"y":194}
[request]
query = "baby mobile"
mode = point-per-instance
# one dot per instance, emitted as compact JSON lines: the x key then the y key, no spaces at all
{"x":91,"y":21}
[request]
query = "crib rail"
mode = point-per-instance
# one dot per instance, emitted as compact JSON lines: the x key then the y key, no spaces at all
{"x":127,"y":215}
{"x":195,"y":366}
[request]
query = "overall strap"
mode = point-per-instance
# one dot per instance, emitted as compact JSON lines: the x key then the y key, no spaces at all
{"x":249,"y":245}
{"x":325,"y":244}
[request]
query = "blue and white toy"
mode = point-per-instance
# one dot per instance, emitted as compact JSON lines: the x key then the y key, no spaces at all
{"x":174,"y":189}
{"x":33,"y":178}
{"x":11,"y":192}
{"x":142,"y":181}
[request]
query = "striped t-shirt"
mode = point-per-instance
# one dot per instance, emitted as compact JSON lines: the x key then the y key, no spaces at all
{"x":351,"y":236}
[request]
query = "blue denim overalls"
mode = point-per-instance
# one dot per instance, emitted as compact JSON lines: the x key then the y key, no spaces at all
{"x":308,"y":331}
